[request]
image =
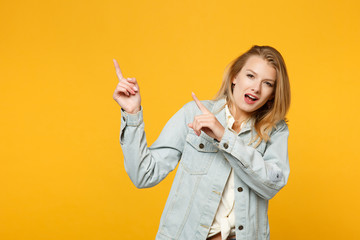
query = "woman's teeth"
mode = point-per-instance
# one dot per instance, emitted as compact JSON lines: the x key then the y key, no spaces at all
{"x":251,"y":97}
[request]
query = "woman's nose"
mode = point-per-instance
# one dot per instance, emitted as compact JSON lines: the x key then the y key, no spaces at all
{"x":256,"y":87}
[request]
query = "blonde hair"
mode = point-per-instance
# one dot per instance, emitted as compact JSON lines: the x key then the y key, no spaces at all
{"x":266,"y":117}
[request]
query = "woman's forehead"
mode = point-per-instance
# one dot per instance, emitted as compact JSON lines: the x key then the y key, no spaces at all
{"x":260,"y":67}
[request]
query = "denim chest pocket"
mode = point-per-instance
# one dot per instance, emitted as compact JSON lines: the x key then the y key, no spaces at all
{"x":198,"y":154}
{"x":247,"y":138}
{"x":260,"y":148}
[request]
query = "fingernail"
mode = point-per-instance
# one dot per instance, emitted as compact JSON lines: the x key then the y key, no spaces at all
{"x":135,"y":88}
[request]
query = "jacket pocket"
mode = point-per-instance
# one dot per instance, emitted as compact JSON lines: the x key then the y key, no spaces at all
{"x":247,"y":139}
{"x":198,"y":153}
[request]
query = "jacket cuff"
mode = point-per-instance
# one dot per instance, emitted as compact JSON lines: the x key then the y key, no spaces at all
{"x":128,"y":119}
{"x":228,"y":142}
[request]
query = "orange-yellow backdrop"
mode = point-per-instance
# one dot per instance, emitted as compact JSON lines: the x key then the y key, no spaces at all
{"x":61,"y":169}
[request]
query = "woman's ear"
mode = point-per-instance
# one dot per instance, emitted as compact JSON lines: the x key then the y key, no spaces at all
{"x":235,"y":79}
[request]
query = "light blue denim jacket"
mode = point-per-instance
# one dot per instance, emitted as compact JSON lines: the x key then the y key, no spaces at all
{"x":205,"y":164}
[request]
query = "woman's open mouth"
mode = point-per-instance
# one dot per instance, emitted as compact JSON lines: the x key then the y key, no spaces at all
{"x":250,"y":99}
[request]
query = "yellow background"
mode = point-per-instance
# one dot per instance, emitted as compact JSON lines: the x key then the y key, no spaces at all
{"x":61,"y":166}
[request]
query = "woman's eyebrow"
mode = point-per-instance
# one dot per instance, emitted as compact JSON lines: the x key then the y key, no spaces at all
{"x":268,"y":79}
{"x":251,"y":71}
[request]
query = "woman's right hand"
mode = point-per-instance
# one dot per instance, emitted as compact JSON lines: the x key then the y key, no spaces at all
{"x":127,"y":93}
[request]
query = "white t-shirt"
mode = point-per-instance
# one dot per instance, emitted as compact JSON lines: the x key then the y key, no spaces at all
{"x":224,"y":220}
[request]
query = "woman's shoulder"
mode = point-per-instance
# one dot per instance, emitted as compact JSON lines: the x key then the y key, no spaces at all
{"x":280,"y":126}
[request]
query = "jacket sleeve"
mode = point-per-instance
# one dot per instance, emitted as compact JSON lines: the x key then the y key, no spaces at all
{"x":264,"y":173}
{"x":147,"y":166}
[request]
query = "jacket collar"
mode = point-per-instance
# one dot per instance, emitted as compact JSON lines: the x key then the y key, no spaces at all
{"x":219,"y":112}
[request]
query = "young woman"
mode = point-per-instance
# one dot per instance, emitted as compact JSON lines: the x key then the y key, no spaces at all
{"x":232,"y":151}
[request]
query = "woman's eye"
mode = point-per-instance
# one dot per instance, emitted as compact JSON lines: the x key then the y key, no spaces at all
{"x":269,"y":84}
{"x":250,"y":76}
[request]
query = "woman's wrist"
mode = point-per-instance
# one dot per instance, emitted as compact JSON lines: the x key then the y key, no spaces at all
{"x":133,"y":111}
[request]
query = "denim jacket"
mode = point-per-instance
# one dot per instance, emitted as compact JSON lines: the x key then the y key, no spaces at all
{"x":205,"y":164}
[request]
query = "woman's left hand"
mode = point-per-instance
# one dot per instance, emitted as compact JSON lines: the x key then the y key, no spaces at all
{"x":206,"y":122}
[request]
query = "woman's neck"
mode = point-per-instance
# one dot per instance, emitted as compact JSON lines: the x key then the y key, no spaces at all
{"x":239,"y":116}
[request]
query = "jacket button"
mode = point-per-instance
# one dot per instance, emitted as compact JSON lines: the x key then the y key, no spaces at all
{"x":241,"y":227}
{"x":226,"y":145}
{"x":201,"y":145}
{"x":124,"y":118}
{"x":240,"y":189}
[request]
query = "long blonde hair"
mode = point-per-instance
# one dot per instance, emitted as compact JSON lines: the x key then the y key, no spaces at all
{"x":266,"y":117}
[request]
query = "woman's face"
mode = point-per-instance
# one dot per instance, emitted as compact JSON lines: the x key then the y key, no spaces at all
{"x":254,"y":86}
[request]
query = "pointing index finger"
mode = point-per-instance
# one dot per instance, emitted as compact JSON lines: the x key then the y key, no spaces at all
{"x":118,"y":71}
{"x":199,"y":104}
